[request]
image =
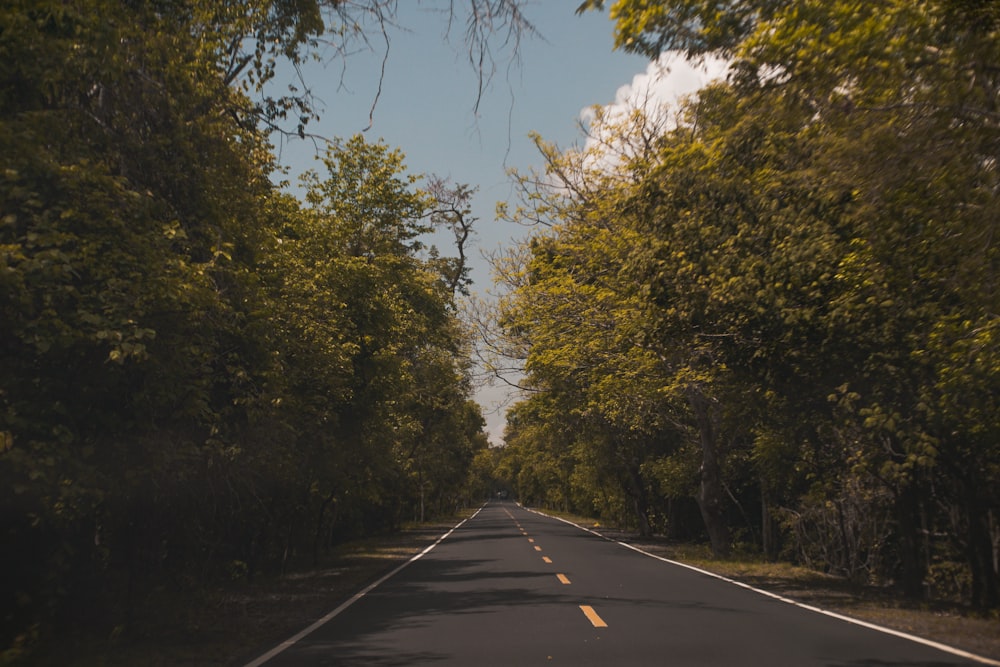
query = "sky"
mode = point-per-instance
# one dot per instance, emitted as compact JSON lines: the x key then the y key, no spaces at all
{"x":426,"y":108}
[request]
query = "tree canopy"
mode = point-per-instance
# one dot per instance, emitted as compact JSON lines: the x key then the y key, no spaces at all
{"x":200,"y":376}
{"x":797,"y":285}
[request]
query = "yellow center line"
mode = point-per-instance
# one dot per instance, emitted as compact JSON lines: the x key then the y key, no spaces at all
{"x":563,"y":578}
{"x":537,"y":548}
{"x":530,"y":540}
{"x":546,"y":559}
{"x":592,"y":616}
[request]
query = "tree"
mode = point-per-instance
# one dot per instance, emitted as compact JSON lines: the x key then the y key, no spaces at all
{"x":577,"y":315}
{"x":879,"y":132}
{"x":388,"y":315}
{"x":172,"y":379}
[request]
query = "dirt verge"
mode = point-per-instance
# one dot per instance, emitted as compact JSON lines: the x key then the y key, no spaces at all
{"x":232,"y":624}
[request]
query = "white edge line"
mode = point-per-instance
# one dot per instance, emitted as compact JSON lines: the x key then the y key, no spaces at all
{"x":291,"y":641}
{"x":832,"y":614}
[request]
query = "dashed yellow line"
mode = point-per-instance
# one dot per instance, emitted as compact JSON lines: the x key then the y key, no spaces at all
{"x":592,"y":616}
{"x":587,"y":610}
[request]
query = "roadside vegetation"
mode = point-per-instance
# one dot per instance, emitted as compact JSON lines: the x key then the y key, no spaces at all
{"x":769,"y":319}
{"x":202,"y":378}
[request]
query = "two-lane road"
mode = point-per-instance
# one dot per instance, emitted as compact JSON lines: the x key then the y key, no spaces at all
{"x":511,"y":587}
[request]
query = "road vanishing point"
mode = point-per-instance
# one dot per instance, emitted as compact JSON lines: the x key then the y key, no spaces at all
{"x":512,"y":587}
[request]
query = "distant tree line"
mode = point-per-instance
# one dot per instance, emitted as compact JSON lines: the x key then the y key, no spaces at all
{"x":774,"y":321}
{"x":202,"y":377}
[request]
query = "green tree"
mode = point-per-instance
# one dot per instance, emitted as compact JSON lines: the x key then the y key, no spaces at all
{"x":171,"y":376}
{"x":398,"y":427}
{"x":878,"y":133}
{"x":125,"y":270}
{"x":578,"y":314}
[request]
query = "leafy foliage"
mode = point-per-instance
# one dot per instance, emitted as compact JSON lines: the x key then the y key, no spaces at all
{"x":201,"y":377}
{"x":807,"y":261}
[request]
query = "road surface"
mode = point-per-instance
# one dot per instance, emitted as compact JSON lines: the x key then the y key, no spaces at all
{"x":512,"y":587}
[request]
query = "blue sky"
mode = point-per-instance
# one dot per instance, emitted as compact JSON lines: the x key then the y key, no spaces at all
{"x":426,"y":109}
{"x":429,"y":91}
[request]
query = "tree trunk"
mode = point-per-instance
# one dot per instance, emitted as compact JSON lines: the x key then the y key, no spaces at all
{"x":767,"y":527}
{"x":914,"y":569}
{"x":286,"y":552}
{"x":985,"y":588}
{"x":317,"y":534}
{"x":994,"y":540}
{"x":420,"y":475}
{"x":640,"y":504}
{"x":711,"y":499}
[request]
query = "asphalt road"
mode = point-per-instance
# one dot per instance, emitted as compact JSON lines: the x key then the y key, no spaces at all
{"x":511,"y":587}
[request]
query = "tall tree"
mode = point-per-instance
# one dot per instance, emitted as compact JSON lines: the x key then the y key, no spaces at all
{"x":163,"y":399}
{"x":880,"y":131}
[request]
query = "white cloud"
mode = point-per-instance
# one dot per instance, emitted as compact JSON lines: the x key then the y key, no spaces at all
{"x":656,"y":92}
